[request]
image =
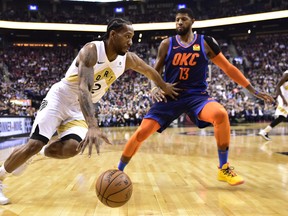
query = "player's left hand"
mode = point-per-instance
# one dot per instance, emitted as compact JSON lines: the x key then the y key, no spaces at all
{"x":266,"y":97}
{"x":157,"y":95}
{"x":93,"y":137}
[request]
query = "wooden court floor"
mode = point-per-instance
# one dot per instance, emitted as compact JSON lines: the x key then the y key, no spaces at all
{"x":174,"y":173}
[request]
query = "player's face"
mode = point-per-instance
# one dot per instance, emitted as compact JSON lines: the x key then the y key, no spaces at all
{"x":123,"y":39}
{"x":183,"y":23}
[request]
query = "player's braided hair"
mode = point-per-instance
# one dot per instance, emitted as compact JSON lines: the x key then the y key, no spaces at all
{"x":115,"y":24}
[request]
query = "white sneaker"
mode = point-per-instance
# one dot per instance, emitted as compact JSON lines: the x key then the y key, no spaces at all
{"x":264,"y":135}
{"x":3,"y":200}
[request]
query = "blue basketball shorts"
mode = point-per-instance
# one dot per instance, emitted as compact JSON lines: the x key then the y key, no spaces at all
{"x":191,"y":104}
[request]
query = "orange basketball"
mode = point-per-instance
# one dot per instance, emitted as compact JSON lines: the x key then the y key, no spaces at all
{"x":114,"y":188}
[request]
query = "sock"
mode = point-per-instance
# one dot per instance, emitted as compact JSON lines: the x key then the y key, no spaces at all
{"x":223,"y":157}
{"x":3,"y":172}
{"x":268,"y":129}
{"x":121,"y":165}
{"x":42,"y":151}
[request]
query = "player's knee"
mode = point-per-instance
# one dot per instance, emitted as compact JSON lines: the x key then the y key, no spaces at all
{"x":220,"y":116}
{"x":33,"y":147}
{"x":142,"y":134}
{"x":69,"y":149}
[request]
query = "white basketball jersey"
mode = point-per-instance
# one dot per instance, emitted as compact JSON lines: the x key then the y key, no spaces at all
{"x":284,"y":87}
{"x":105,"y":72}
{"x":281,"y":108}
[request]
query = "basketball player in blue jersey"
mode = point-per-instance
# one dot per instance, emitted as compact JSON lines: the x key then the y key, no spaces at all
{"x":68,"y":107}
{"x":185,"y":61}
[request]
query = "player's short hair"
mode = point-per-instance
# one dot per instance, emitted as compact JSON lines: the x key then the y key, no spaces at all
{"x":115,"y":24}
{"x":186,"y":11}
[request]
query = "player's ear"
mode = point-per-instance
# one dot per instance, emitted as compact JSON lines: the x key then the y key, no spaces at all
{"x":112,"y":33}
{"x":192,"y":20}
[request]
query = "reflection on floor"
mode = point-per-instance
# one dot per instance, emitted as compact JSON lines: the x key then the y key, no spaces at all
{"x":7,"y":146}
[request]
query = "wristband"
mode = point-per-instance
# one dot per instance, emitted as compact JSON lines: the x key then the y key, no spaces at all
{"x":155,"y":87}
{"x":256,"y":92}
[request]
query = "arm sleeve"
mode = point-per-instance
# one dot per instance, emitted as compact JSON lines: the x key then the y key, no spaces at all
{"x":230,"y":70}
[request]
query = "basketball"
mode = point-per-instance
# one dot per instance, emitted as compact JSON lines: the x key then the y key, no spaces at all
{"x":114,"y":188}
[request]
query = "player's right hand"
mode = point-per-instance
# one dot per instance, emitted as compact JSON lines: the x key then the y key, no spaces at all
{"x":93,"y":137}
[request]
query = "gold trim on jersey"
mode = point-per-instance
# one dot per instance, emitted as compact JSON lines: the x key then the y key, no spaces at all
{"x":282,"y":110}
{"x":106,"y":74}
{"x":72,"y":78}
{"x":74,"y":123}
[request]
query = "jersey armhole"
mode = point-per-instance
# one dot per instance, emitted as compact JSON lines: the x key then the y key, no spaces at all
{"x":169,"y":49}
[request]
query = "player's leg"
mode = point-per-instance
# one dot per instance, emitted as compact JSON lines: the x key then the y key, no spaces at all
{"x":17,"y":161}
{"x":63,"y":148}
{"x":216,"y":114}
{"x":71,"y":133}
{"x":45,"y":124}
{"x":281,"y":112}
{"x":146,"y":128}
{"x":265,"y":132}
{"x":158,"y":119}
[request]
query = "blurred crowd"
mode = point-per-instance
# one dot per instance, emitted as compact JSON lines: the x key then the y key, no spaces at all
{"x":29,"y":72}
{"x":137,"y":11}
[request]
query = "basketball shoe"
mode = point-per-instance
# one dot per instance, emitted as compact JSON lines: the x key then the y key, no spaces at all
{"x":226,"y":173}
{"x":263,"y":134}
{"x":3,"y":200}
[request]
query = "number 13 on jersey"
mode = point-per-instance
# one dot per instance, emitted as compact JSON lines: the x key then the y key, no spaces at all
{"x":184,"y":73}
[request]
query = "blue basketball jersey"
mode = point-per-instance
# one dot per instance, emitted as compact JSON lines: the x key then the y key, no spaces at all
{"x":187,"y":64}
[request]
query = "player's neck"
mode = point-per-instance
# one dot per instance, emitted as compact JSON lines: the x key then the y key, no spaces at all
{"x":110,"y":53}
{"x":187,"y":38}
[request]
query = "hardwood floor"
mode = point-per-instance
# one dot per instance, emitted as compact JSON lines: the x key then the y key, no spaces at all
{"x":174,"y":173}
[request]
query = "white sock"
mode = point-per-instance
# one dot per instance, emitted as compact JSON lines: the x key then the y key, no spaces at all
{"x":42,"y":151}
{"x":268,"y":129}
{"x":3,"y":172}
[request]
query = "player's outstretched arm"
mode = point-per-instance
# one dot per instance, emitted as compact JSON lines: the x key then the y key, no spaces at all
{"x":135,"y":63}
{"x":213,"y":52}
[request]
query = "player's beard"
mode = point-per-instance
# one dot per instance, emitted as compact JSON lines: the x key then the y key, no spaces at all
{"x":183,"y":31}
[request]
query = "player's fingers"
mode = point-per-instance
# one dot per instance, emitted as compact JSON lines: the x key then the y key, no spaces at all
{"x":83,"y":148}
{"x":79,"y":146}
{"x":164,"y":99}
{"x":106,"y":140}
{"x":98,"y":148}
{"x":89,"y":150}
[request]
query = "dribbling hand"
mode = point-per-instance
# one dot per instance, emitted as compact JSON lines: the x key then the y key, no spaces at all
{"x":93,"y":137}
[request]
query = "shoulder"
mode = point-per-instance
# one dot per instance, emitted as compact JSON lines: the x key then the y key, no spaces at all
{"x":88,"y":54}
{"x":211,"y":45}
{"x":89,"y":47}
{"x":164,"y":46}
{"x":165,"y":42}
{"x":131,"y":60}
{"x":210,"y":40}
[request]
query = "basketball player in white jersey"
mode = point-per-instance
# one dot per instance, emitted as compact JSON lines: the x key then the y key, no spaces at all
{"x":68,"y":107}
{"x":282,"y":108}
